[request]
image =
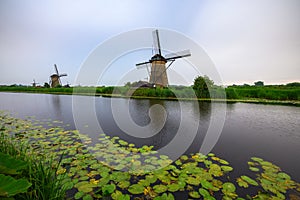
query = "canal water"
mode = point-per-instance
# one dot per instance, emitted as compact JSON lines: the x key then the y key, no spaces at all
{"x":271,"y":132}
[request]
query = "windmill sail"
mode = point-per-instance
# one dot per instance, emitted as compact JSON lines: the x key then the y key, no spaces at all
{"x":56,"y":70}
{"x":179,"y":54}
{"x":156,"y":43}
{"x":158,"y":74}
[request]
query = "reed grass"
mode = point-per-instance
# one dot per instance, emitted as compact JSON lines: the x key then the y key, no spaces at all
{"x":40,"y":172}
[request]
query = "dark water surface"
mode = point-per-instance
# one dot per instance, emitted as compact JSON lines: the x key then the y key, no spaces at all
{"x":271,"y":132}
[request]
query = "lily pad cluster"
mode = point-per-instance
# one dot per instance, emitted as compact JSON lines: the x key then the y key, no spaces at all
{"x":116,"y":169}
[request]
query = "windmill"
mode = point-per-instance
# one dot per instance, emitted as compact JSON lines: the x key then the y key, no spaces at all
{"x":55,"y":78}
{"x":158,"y":73}
{"x":34,"y":84}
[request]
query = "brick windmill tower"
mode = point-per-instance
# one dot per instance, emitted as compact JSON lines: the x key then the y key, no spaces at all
{"x":158,"y":73}
{"x":55,"y":78}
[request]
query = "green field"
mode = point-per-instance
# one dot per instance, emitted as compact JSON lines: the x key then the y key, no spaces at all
{"x":276,"y":94}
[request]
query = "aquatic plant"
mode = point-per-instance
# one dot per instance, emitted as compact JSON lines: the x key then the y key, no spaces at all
{"x":114,"y":168}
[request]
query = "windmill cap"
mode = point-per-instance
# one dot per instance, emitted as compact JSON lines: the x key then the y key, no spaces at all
{"x":157,"y":57}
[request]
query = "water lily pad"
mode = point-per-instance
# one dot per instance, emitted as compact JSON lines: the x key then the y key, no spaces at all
{"x":226,"y":168}
{"x":204,"y":192}
{"x":165,"y":196}
{"x":108,"y":189}
{"x":192,"y":181}
{"x":184,"y":157}
{"x":151,"y":178}
{"x":87,"y":197}
{"x":229,"y":187}
{"x":173,"y":187}
{"x":283,"y":175}
{"x":84,"y":186}
{"x":78,"y":195}
{"x":242,"y":183}
{"x":257,"y":159}
{"x":160,"y":188}
{"x":224,"y":162}
{"x":215,"y":170}
{"x":249,"y":180}
{"x":254,"y":169}
{"x":124,"y":184}
{"x":117,"y":195}
{"x":194,"y":194}
{"x":136,"y":189}
{"x":206,"y":184}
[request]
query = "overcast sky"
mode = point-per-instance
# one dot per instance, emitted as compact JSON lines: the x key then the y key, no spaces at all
{"x":247,"y":40}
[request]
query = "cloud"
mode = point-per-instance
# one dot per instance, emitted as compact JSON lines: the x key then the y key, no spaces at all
{"x":247,"y":40}
{"x":252,"y":40}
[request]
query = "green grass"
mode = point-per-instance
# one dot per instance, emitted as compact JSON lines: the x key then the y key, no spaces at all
{"x":269,"y":93}
{"x":40,"y":170}
{"x":281,"y":94}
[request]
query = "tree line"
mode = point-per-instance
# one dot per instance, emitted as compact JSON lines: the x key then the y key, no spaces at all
{"x":203,"y":87}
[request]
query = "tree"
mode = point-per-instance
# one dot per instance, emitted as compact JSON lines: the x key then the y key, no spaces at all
{"x":294,"y":84}
{"x":201,"y":86}
{"x":46,"y":85}
{"x":259,"y":83}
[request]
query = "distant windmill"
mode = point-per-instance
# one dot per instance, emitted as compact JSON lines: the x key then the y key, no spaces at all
{"x":55,"y":78}
{"x":34,"y":84}
{"x":158,"y":73}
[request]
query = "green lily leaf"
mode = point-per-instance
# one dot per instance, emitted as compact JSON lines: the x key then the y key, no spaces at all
{"x":192,"y":181}
{"x":283,"y":175}
{"x":224,"y":162}
{"x":249,"y":180}
{"x":108,"y":189}
{"x":215,"y":170}
{"x":136,"y":189}
{"x":10,"y":186}
{"x":229,"y":187}
{"x":173,"y":187}
{"x":254,"y":169}
{"x":206,"y":184}
{"x":160,"y":188}
{"x":10,"y":165}
{"x":79,"y":195}
{"x":226,"y":168}
{"x":242,"y":183}
{"x":117,"y":195}
{"x":184,"y":157}
{"x":87,"y":197}
{"x":194,"y":194}
{"x":257,"y":159}
{"x":124,"y":184}
{"x":206,"y":195}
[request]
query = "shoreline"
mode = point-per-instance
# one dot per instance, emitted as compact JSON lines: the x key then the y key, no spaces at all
{"x":255,"y":101}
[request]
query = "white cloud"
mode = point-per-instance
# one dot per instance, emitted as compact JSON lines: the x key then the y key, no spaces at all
{"x":250,"y":40}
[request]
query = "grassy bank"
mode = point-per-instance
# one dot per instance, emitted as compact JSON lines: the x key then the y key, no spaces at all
{"x":25,"y":174}
{"x":282,"y":95}
{"x":114,"y":169}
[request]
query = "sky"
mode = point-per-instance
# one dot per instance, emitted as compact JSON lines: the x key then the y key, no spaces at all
{"x":247,"y":40}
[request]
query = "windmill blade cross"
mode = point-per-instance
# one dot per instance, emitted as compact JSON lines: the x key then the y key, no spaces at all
{"x":179,"y":54}
{"x":156,"y":42}
{"x":63,"y":75}
{"x":139,"y":65}
{"x":56,"y":69}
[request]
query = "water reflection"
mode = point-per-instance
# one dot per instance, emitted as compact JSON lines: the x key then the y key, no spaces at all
{"x":267,"y":131}
{"x":56,"y":105}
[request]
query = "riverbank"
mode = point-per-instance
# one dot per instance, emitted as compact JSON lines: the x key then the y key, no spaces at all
{"x":93,"y":92}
